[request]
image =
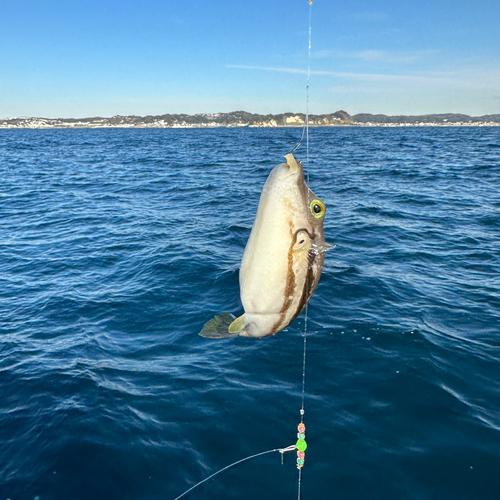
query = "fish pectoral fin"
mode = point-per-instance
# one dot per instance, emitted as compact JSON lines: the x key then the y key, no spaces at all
{"x":322,"y":247}
{"x":218,"y":327}
{"x":238,"y":325}
{"x":302,"y":258}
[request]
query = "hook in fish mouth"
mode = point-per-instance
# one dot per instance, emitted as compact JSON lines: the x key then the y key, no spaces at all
{"x":295,"y":147}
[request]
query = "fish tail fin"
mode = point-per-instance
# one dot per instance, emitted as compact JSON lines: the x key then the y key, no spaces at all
{"x":218,"y":327}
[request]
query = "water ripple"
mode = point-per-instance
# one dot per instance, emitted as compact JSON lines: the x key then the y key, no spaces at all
{"x":118,"y":245}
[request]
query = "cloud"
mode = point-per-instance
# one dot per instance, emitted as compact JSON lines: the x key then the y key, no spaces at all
{"x":299,"y":71}
{"x":373,"y":77}
{"x":376,"y":56}
{"x":268,"y":68}
{"x":464,"y":77}
{"x":323,"y":54}
{"x":394,"y":57}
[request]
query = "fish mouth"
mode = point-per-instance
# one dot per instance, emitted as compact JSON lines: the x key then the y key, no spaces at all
{"x":292,"y":163}
{"x":288,"y":169}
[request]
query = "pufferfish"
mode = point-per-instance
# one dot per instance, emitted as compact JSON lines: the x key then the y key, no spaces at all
{"x":283,"y":258}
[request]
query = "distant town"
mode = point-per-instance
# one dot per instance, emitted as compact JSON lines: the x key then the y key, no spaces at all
{"x":244,"y":119}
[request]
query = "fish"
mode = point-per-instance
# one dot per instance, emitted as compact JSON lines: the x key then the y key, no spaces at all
{"x":283,"y":257}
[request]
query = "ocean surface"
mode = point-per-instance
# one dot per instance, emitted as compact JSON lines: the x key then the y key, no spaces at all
{"x":116,"y":246}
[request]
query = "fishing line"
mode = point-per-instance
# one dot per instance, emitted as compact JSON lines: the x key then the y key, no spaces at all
{"x":300,"y":445}
{"x":305,"y":128}
{"x":308,"y":79}
{"x":281,"y":450}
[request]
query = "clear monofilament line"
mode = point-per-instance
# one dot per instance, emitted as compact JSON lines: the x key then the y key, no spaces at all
{"x":281,"y":450}
{"x":300,"y":484}
{"x":306,"y":126}
{"x":307,"y":86}
{"x":307,"y":161}
{"x":302,"y":410}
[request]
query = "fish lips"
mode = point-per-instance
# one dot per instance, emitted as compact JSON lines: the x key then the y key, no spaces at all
{"x":283,"y":171}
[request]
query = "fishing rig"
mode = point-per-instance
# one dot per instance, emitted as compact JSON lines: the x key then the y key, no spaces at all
{"x":300,"y":446}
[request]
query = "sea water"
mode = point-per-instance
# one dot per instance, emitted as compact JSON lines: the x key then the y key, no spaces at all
{"x":116,"y":246}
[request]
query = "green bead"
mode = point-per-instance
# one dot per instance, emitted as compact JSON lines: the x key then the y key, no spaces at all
{"x":301,"y":445}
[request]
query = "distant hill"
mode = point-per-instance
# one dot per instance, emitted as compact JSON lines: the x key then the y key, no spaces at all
{"x":245,"y":119}
{"x":440,"y":119}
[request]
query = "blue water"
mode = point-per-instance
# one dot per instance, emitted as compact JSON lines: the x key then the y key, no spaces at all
{"x":116,"y":246}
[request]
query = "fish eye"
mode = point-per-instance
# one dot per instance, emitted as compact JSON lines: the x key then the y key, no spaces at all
{"x":317,"y":208}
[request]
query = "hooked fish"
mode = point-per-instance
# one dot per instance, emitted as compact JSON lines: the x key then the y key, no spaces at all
{"x":283,"y":258}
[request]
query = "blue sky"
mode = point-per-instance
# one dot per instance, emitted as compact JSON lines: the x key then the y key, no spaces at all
{"x":81,"y":58}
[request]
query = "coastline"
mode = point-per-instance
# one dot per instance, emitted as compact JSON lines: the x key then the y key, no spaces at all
{"x":242,"y":119}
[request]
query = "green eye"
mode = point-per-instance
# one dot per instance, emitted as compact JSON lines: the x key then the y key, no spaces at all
{"x":317,"y":208}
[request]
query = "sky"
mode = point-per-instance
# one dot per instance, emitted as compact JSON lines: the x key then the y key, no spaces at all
{"x":84,"y":58}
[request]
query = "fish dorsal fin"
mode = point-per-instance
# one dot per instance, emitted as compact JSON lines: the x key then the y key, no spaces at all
{"x":238,"y":324}
{"x":292,"y":162}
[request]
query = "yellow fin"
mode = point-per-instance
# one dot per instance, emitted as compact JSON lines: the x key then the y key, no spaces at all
{"x":302,"y":257}
{"x":217,"y":328}
{"x":238,"y":324}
